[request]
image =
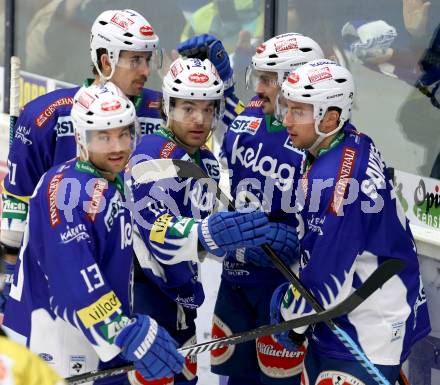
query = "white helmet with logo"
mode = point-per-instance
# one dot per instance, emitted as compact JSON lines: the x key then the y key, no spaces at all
{"x":192,"y":79}
{"x":101,"y":107}
{"x":323,"y":84}
{"x":117,"y":30}
{"x":284,"y":53}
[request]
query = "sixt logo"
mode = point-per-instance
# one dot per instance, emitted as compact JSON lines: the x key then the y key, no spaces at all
{"x":248,"y":124}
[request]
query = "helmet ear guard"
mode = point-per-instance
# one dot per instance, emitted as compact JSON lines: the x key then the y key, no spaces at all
{"x":118,"y":30}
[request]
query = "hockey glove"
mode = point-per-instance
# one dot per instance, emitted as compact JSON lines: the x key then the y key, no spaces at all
{"x":226,"y":231}
{"x":151,"y":349}
{"x":289,"y":339}
{"x":209,"y":47}
{"x":283,"y":240}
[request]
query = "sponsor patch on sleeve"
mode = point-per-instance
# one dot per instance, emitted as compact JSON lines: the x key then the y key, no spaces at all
{"x":100,"y":310}
{"x":158,"y":231}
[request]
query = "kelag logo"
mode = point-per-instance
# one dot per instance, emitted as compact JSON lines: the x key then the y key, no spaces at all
{"x":427,"y":204}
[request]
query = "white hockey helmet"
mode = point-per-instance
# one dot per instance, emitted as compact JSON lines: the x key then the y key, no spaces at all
{"x":322,"y":83}
{"x":117,"y":30}
{"x":193,"y":79}
{"x":282,"y":54}
{"x":102,"y":107}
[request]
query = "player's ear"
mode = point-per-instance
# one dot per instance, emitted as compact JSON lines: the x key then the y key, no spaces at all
{"x":330,"y":120}
{"x":105,"y":64}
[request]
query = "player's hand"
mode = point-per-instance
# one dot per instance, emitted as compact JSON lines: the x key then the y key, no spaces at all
{"x":283,"y":240}
{"x":150,"y":347}
{"x":230,"y":230}
{"x":209,"y":47}
{"x":289,"y":339}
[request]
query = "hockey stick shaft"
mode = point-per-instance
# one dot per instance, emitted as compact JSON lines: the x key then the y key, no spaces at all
{"x":383,"y":273}
{"x":168,"y":168}
{"x":14,"y":97}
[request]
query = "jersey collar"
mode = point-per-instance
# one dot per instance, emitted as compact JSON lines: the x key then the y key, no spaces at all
{"x":88,"y":168}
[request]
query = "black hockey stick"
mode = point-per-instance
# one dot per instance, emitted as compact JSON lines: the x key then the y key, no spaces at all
{"x":156,"y":169}
{"x":383,"y":273}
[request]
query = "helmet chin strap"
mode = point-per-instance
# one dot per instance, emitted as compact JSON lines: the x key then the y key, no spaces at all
{"x":321,"y":135}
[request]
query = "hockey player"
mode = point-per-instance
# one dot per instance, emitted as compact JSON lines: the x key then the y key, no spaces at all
{"x":71,"y":297}
{"x":350,"y":223}
{"x":122,"y":44}
{"x":264,"y":166}
{"x":175,"y":223}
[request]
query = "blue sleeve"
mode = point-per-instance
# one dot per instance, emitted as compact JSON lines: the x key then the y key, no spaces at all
{"x":68,"y":256}
{"x":167,"y":246}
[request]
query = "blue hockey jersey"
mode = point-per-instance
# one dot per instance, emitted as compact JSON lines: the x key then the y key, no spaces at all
{"x":44,"y":137}
{"x":263,"y":164}
{"x":166,"y":215}
{"x":350,"y":223}
{"x":71,"y":291}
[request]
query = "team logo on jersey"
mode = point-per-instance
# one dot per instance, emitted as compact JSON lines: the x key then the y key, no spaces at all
{"x":22,"y":133}
{"x":286,"y":45}
{"x":121,"y":21}
{"x":315,"y":224}
{"x":319,"y":74}
{"x":64,"y":127}
{"x":334,"y":377}
{"x":219,"y":330}
{"x":247,"y":124}
{"x":198,"y":78}
{"x":42,"y":119}
{"x":276,"y":361}
{"x":54,"y":214}
{"x":77,"y":365}
{"x":344,"y":174}
{"x":78,"y":233}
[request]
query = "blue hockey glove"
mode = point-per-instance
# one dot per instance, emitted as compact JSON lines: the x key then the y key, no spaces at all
{"x":289,"y":339}
{"x":225,"y":231}
{"x":209,"y":47}
{"x":150,"y":348}
{"x":283,"y":240}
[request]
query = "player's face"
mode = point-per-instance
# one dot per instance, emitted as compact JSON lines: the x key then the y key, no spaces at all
{"x":267,"y":89}
{"x":109,"y":150}
{"x":191,"y":121}
{"x":132,"y":72}
{"x":300,"y":124}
